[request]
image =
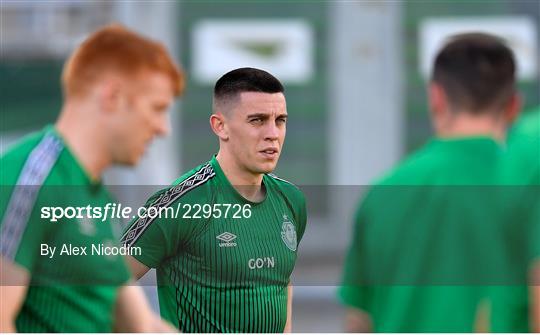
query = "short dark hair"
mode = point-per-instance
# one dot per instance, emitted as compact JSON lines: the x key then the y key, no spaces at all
{"x":245,"y":79}
{"x":477,"y":72}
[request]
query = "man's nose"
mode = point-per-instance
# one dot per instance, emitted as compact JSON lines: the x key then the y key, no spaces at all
{"x":272,"y":131}
{"x":163,"y":127}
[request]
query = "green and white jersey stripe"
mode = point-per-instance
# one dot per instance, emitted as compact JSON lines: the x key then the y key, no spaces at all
{"x":35,"y":171}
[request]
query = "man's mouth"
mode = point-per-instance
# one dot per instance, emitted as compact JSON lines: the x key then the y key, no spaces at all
{"x":269,"y":152}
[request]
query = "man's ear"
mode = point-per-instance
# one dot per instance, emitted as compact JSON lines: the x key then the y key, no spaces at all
{"x":109,"y":93}
{"x":438,"y":106}
{"x":438,"y":103}
{"x":219,"y":126}
{"x":513,"y":108}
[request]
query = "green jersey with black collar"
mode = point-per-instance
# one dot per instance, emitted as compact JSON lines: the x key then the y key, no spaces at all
{"x":223,"y":263}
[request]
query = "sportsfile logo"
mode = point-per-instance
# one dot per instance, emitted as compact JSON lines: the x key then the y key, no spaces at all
{"x":227,"y":239}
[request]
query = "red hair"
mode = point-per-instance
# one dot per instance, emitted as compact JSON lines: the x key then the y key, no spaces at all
{"x":116,"y":49}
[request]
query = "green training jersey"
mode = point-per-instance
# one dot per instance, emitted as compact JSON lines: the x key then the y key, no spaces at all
{"x":71,"y":290}
{"x":223,"y":263}
{"x":522,"y":156}
{"x":520,"y":167}
{"x":427,"y":237}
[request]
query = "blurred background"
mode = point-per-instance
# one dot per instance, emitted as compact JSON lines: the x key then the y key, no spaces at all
{"x":354,"y":73}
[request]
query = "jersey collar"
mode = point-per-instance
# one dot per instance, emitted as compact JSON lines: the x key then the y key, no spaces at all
{"x":228,"y":187}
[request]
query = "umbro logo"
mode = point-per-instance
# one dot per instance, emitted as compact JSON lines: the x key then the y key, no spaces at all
{"x":227,"y":239}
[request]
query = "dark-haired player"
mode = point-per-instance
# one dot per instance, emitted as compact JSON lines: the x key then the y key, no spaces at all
{"x":224,"y":264}
{"x":429,"y":236}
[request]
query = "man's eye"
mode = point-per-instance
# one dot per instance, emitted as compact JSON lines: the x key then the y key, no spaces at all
{"x":256,"y":120}
{"x":281,"y":120}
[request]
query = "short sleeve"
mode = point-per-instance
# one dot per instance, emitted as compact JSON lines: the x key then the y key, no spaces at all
{"x":152,"y":239}
{"x":159,"y":236}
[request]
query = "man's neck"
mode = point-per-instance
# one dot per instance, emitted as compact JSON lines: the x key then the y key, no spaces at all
{"x":465,"y":125}
{"x":84,"y":139}
{"x":249,"y":185}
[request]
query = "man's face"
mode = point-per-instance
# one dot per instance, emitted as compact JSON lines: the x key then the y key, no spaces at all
{"x":256,"y":125}
{"x":143,"y":115}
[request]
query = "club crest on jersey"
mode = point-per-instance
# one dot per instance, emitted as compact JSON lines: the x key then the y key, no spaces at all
{"x":288,"y":233}
{"x":226,"y":239}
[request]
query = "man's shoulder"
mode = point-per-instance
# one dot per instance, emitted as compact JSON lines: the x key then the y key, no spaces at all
{"x":189,"y":186}
{"x":527,"y":125}
{"x":420,"y":168}
{"x":415,"y":169}
{"x":523,"y":150}
{"x":285,"y":187}
{"x":14,"y":158}
{"x":201,"y":172}
{"x":23,"y":146}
